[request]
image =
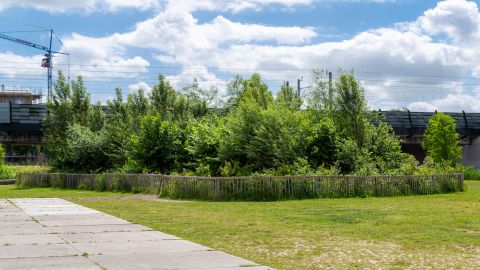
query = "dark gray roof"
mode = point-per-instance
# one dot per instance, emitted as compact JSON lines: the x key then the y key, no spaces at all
{"x":414,"y":123}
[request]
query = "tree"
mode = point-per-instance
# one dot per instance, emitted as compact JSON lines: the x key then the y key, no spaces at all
{"x":322,"y":144}
{"x":97,"y":117}
{"x":157,"y":147}
{"x":80,"y":103}
{"x":321,"y":99}
{"x":59,"y":110}
{"x":288,"y":98}
{"x":235,"y":89}
{"x":163,"y":98}
{"x":256,"y":90}
{"x":201,"y":143}
{"x":117,"y":129}
{"x":441,"y":140}
{"x":350,"y":108}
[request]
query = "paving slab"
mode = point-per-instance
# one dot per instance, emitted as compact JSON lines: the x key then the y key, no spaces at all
{"x":83,"y":222}
{"x":139,"y":247}
{"x":172,"y":260}
{"x":51,"y":233}
{"x":30,"y":239}
{"x":117,"y":237}
{"x":98,"y":228}
{"x":32,"y":251}
{"x":24,"y":229}
{"x":74,"y":217}
{"x":47,"y":263}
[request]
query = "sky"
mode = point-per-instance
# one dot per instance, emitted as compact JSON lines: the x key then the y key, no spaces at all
{"x":416,"y":54}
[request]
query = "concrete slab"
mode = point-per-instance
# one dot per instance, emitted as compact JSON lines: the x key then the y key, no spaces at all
{"x":16,"y":223}
{"x":139,"y":247}
{"x":74,"y":217}
{"x":24,"y":229}
{"x":98,"y":228}
{"x":10,"y":218}
{"x":83,"y":222}
{"x":49,"y":263}
{"x":117,"y":237}
{"x":30,"y":239}
{"x":33,"y":251}
{"x":56,"y":234}
{"x":187,"y":260}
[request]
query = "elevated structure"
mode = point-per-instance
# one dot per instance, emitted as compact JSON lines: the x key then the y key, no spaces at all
{"x":21,"y":124}
{"x":410,"y":126}
{"x":20,"y":95}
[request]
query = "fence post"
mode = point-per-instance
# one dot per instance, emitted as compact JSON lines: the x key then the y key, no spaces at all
{"x":217,"y":188}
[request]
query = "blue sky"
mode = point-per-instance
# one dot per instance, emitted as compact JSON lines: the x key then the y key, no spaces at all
{"x":407,"y":53}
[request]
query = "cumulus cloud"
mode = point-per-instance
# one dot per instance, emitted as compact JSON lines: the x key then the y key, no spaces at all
{"x":140,"y":86}
{"x":56,"y":6}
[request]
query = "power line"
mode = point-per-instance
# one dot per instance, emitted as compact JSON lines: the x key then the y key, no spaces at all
{"x":226,"y":69}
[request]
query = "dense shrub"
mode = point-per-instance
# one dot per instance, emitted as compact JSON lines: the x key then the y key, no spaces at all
{"x":84,"y":151}
{"x":470,"y":172}
{"x":158,"y":147}
{"x":5,"y":171}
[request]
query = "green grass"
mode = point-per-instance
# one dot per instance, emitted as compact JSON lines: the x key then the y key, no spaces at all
{"x":437,"y":231}
{"x":12,"y":191}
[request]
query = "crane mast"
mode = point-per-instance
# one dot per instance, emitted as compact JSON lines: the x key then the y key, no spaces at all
{"x":46,"y":62}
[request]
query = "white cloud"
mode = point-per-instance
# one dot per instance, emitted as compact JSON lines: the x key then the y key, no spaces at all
{"x":56,"y":6}
{"x":140,"y":85}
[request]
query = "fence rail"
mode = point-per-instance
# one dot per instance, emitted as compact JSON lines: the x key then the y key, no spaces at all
{"x":252,"y":188}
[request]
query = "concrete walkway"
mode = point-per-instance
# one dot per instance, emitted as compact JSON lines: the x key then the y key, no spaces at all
{"x":57,"y":234}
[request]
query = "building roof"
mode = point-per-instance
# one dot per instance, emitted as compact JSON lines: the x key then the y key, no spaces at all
{"x":406,"y":123}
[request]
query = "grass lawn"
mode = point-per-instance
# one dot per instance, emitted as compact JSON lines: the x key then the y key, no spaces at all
{"x":437,"y":231}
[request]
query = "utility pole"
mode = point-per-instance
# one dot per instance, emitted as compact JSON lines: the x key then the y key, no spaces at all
{"x":298,"y":86}
{"x":330,"y":90}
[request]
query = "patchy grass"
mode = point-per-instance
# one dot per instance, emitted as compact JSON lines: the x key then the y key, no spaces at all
{"x":12,"y":191}
{"x":437,"y":231}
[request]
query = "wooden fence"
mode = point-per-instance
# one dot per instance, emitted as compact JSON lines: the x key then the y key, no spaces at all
{"x":251,"y":188}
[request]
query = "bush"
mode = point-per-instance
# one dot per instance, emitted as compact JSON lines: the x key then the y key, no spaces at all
{"x":5,"y":171}
{"x":158,"y":147}
{"x":470,"y":173}
{"x":84,"y":151}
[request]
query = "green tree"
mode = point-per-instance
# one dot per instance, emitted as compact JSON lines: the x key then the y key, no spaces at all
{"x":256,"y":90}
{"x":321,"y":99}
{"x":117,"y":129}
{"x":235,"y":89}
{"x":163,"y":98}
{"x":441,"y":140}
{"x":201,"y":143}
{"x":350,"y":110}
{"x":322,"y":144}
{"x":158,"y":147}
{"x":97,"y":117}
{"x":288,"y":98}
{"x":80,"y":103}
